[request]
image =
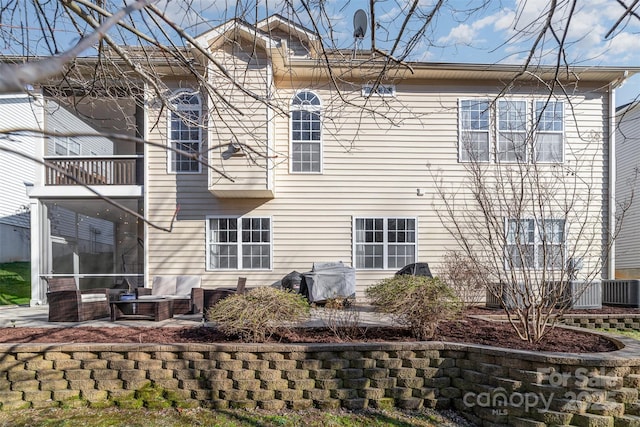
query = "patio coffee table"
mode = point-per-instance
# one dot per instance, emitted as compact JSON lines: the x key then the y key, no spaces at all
{"x":155,"y":309}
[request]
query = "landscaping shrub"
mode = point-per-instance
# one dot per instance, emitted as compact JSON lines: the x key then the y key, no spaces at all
{"x":343,"y":319}
{"x":415,"y":301}
{"x":466,"y":279}
{"x":259,"y":313}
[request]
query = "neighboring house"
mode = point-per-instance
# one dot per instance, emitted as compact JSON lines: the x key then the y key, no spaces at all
{"x":301,"y":173}
{"x":627,"y":185}
{"x":18,"y":114}
{"x":17,"y":173}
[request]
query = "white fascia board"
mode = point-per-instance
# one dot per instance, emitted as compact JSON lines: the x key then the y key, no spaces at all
{"x":291,"y":26}
{"x":206,"y":39}
{"x":66,"y":191}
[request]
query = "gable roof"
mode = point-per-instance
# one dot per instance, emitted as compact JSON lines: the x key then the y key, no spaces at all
{"x":366,"y":65}
{"x":233,"y":28}
{"x":628,"y":107}
{"x":278,"y":21}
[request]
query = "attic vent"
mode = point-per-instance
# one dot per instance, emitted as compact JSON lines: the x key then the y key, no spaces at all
{"x":380,"y":90}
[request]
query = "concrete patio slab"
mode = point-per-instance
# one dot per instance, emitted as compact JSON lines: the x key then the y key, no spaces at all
{"x":36,"y":317}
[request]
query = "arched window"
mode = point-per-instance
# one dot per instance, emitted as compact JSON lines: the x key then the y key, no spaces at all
{"x":185,"y":133}
{"x":306,"y":133}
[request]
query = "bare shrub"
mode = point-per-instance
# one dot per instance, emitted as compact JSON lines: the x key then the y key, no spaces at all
{"x":258,"y":314}
{"x":415,"y":301}
{"x":343,"y":319}
{"x":467,"y":279}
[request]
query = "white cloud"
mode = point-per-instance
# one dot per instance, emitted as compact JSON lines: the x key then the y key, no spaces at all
{"x":192,"y":13}
{"x":514,"y":30}
{"x":625,"y":47}
{"x":496,"y":33}
{"x":471,"y":32}
{"x":505,"y":20}
{"x":462,"y":34}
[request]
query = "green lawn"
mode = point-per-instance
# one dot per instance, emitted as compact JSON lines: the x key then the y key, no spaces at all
{"x":227,"y":418}
{"x":15,"y":283}
{"x":626,"y":333}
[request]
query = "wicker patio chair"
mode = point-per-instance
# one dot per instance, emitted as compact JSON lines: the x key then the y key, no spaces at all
{"x":212,"y":296}
{"x":185,"y":291}
{"x":69,"y":304}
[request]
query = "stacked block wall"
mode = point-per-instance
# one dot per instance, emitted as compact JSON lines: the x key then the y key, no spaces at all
{"x":489,"y":386}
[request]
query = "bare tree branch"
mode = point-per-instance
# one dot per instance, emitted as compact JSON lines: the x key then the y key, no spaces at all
{"x":14,"y":78}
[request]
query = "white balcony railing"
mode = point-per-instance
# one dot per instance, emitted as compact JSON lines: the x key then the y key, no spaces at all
{"x":93,"y":170}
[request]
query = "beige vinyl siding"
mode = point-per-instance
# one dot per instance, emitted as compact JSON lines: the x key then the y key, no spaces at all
{"x":372,"y":167}
{"x":627,"y":162}
{"x":295,"y":45}
{"x":247,"y":127}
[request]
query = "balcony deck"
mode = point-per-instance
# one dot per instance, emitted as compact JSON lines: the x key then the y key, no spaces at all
{"x":94,"y":170}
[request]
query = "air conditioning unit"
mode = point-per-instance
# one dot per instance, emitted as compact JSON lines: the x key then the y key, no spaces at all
{"x":621,"y":292}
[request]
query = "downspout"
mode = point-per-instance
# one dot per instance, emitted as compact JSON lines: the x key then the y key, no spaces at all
{"x":271,"y":185}
{"x":145,"y":187}
{"x":39,"y":238}
{"x":611,"y":264}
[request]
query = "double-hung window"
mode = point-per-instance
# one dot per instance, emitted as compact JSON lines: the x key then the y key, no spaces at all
{"x":520,"y":243}
{"x":306,"y":133}
{"x":535,"y":245}
{"x":384,"y":243}
{"x":185,"y":134}
{"x":65,"y":146}
{"x":552,"y":244}
{"x":549,"y":138}
{"x":512,"y":131}
{"x":238,"y":243}
{"x":474,"y":130}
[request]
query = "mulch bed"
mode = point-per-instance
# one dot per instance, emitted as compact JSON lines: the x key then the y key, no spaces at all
{"x":604,"y":310}
{"x":464,"y":330}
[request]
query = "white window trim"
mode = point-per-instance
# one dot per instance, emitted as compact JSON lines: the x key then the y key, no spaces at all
{"x":526,"y":132}
{"x":65,"y":142}
{"x":536,"y":132}
{"x":536,"y":243}
{"x":385,"y":243}
{"x":238,"y":243}
{"x":488,"y":131}
{"x":493,"y":132}
{"x":320,"y":142}
{"x":170,"y":141}
{"x":367,"y":91}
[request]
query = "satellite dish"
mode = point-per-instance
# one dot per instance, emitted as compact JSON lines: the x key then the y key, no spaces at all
{"x":360,"y":24}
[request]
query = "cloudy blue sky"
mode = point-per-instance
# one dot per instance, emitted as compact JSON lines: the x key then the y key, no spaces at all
{"x":504,"y":30}
{"x":478,"y":31}
{"x":468,"y":31}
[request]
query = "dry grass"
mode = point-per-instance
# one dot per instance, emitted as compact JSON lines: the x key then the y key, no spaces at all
{"x":173,"y":417}
{"x":343,"y":319}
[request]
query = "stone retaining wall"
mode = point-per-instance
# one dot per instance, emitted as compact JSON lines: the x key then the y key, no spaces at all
{"x":604,"y":321}
{"x":489,"y":386}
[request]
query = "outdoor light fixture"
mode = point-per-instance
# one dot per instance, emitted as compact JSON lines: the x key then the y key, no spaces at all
{"x":233,"y":150}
